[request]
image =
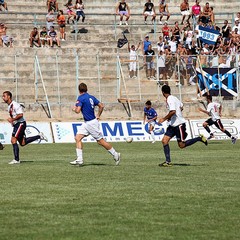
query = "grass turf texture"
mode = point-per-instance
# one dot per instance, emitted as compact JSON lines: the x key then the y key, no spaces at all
{"x":46,"y":198}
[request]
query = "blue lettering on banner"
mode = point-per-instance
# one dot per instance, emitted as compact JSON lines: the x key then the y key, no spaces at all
{"x":75,"y":127}
{"x":113,"y":132}
{"x":133,"y":127}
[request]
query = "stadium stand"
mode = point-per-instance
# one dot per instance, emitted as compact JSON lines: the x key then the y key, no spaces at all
{"x":45,"y":77}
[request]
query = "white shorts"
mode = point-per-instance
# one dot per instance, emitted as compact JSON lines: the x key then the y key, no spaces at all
{"x":91,"y":128}
{"x":151,"y":123}
{"x":133,"y":66}
{"x":185,"y":13}
{"x":149,"y":13}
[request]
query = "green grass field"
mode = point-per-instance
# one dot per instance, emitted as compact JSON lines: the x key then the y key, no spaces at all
{"x":46,"y":198}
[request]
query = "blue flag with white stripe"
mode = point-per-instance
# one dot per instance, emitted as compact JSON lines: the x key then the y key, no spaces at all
{"x":208,"y":35}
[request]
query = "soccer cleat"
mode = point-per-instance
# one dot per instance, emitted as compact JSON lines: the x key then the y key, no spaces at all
{"x":165,"y":164}
{"x":77,"y":162}
{"x":117,"y":158}
{"x":234,"y":140}
{"x":1,"y":146}
{"x":43,"y":137}
{"x":211,"y":136}
{"x":14,"y":162}
{"x":153,"y":141}
{"x":203,"y":139}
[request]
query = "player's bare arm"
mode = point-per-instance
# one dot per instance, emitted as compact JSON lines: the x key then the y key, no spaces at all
{"x":203,"y":110}
{"x":100,"y":110}
{"x":76,"y":109}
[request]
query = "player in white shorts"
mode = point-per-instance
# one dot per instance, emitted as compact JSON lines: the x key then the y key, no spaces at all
{"x":86,"y":104}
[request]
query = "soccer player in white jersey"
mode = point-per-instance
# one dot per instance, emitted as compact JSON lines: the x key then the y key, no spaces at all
{"x":176,"y":127}
{"x":91,"y":126}
{"x":214,"y":110}
{"x":19,"y":125}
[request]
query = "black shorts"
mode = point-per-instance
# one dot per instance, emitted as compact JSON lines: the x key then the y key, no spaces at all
{"x":62,"y":25}
{"x":19,"y":131}
{"x":217,"y":123}
{"x":178,"y":131}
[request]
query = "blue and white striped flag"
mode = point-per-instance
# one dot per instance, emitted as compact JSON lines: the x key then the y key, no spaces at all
{"x":208,"y":35}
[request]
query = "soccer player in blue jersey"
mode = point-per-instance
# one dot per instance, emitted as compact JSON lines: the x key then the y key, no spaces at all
{"x":86,"y":104}
{"x":151,"y":115}
{"x":176,"y":127}
{"x":19,"y":125}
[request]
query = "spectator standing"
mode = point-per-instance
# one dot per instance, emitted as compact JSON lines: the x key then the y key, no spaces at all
{"x":146,"y":43}
{"x":176,"y":32}
{"x":50,"y":18}
{"x":52,"y":37}
{"x":62,"y":24}
{"x":237,"y":17}
{"x":149,"y":10}
{"x":166,"y":31}
{"x":160,"y":44}
{"x":161,"y":64}
{"x":206,"y":13}
{"x":43,"y":36}
{"x":149,"y":60}
{"x":123,"y":9}
{"x":35,"y":38}
{"x":79,"y":10}
{"x":133,"y":60}
{"x":196,"y":12}
{"x":4,"y":5}
{"x":163,"y":10}
{"x":226,"y":30}
{"x":184,"y":8}
{"x":212,"y":15}
{"x":236,"y":26}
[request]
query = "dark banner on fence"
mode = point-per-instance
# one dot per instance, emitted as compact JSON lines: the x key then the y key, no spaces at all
{"x":222,"y":80}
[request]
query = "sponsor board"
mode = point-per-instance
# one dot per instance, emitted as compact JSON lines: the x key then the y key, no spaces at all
{"x":113,"y":131}
{"x":232,"y":125}
{"x":33,"y":128}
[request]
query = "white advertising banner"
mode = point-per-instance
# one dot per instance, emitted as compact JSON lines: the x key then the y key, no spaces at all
{"x":113,"y":131}
{"x":232,"y":125}
{"x":33,"y":128}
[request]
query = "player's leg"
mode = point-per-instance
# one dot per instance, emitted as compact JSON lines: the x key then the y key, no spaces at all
{"x":206,"y":125}
{"x":151,"y":132}
{"x":1,"y":146}
{"x":93,"y":128}
{"x":181,"y":135}
{"x":219,"y":125}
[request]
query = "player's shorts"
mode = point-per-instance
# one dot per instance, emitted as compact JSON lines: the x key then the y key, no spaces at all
{"x":149,"y":13}
{"x":19,"y":131}
{"x":91,"y":128}
{"x":123,"y":12}
{"x":163,"y":13}
{"x":185,"y":13}
{"x":152,"y":123}
{"x":217,"y":123}
{"x":178,"y":131}
{"x":150,"y":65}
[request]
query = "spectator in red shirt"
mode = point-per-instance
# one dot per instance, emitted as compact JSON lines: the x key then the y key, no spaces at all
{"x":196,"y":12}
{"x":166,"y":31}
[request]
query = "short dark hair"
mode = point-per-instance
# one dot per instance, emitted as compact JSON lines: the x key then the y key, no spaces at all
{"x":148,"y":102}
{"x":209,"y":97}
{"x":166,"y":89}
{"x":82,"y":88}
{"x":8,"y":93}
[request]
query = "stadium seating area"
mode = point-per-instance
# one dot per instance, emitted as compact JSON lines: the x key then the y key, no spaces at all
{"x":89,"y":57}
